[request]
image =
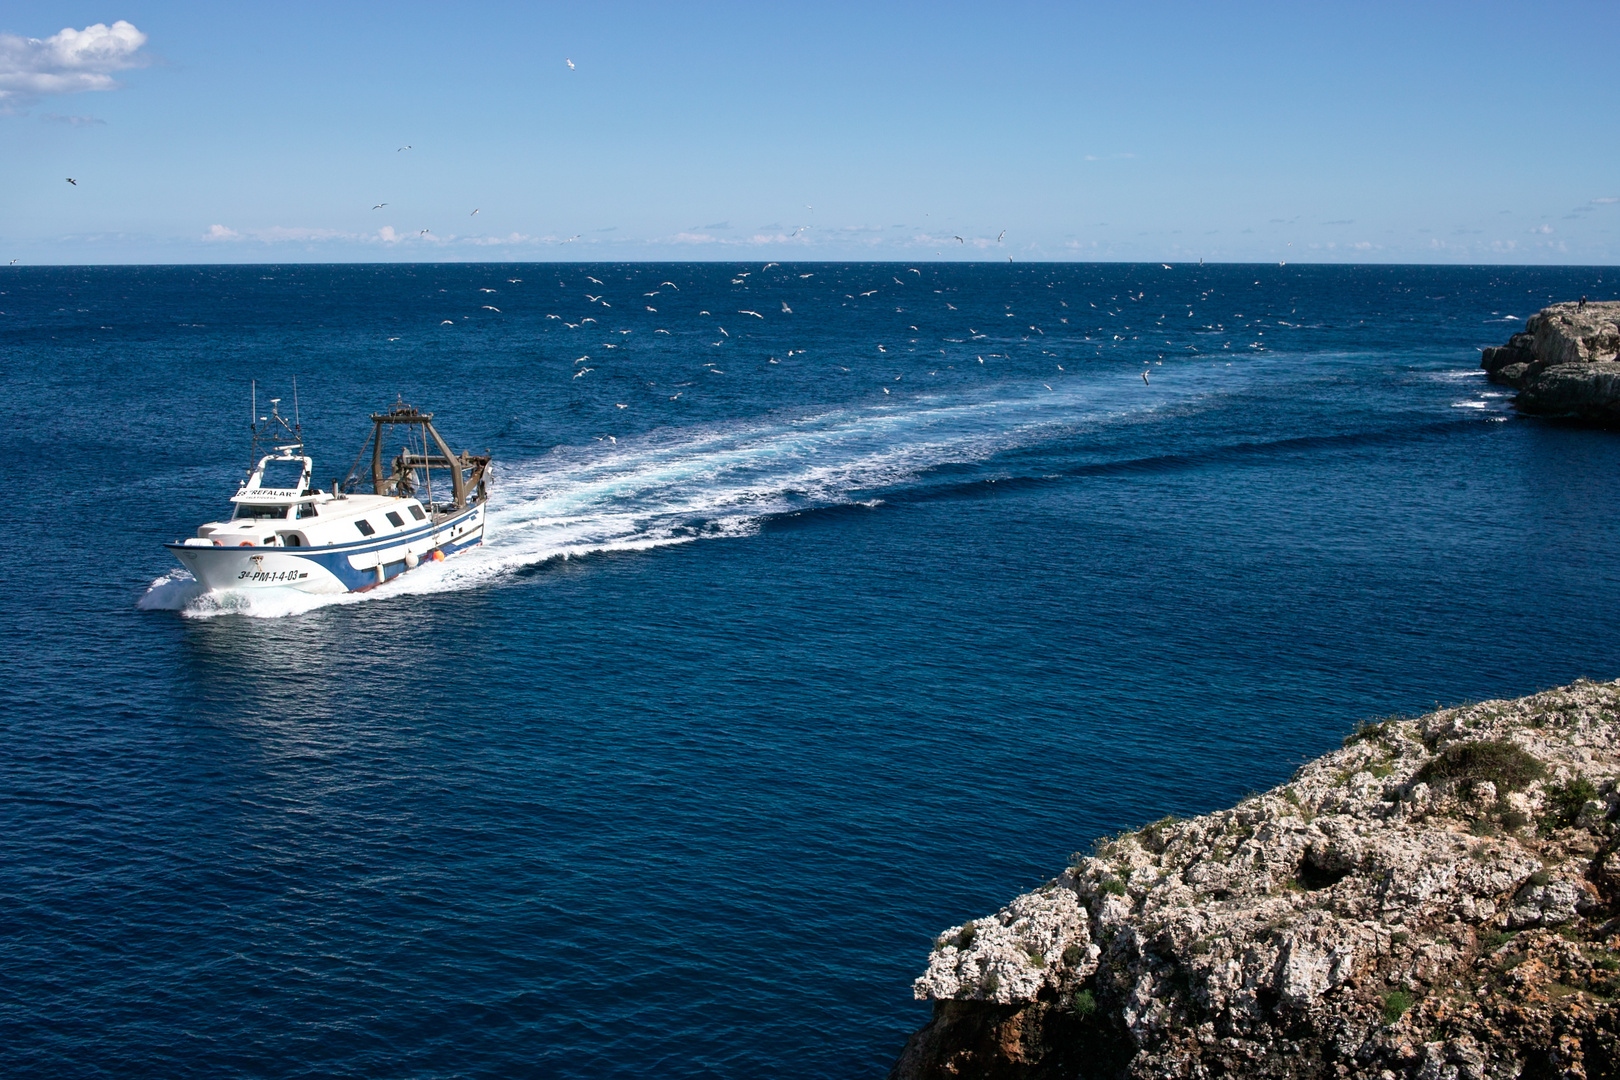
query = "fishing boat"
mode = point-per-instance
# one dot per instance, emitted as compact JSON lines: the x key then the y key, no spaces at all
{"x":283,"y":532}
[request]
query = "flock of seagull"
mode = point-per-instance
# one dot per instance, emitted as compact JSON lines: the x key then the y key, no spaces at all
{"x":1110,"y":317}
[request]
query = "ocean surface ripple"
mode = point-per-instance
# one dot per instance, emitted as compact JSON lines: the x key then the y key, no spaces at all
{"x":824,"y":606}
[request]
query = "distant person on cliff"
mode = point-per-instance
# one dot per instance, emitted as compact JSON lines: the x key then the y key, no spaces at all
{"x":1582,"y":305}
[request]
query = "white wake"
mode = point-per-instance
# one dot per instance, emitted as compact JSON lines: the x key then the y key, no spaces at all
{"x":678,"y":486}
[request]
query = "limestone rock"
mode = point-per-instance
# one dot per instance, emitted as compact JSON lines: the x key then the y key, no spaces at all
{"x":1566,"y":362}
{"x":1379,"y":915}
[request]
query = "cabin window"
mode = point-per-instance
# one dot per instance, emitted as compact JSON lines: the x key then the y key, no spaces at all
{"x":306,"y":510}
{"x":291,"y":540}
{"x":416,"y":512}
{"x":243,"y":510}
{"x":365,"y":527}
{"x":398,"y":521}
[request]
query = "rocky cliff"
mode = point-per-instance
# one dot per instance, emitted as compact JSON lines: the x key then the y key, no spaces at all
{"x":1435,"y":900}
{"x":1564,"y":363}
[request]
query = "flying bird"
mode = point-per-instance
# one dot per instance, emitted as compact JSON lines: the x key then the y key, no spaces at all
{"x":447,"y":322}
{"x":474,"y":212}
{"x":959,"y":240}
{"x":785,"y":309}
{"x":569,"y":62}
{"x":1003,"y":233}
{"x":582,"y":371}
{"x":755,"y":314}
{"x":379,"y":206}
{"x":483,"y":289}
{"x":402,"y":148}
{"x":589,"y":278}
{"x":489,"y":307}
{"x":1145,"y":378}
{"x":424,"y":232}
{"x":72,"y":181}
{"x":622,"y":406}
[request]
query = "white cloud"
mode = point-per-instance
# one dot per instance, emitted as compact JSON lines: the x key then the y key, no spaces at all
{"x":220,"y":232}
{"x":1608,"y":199}
{"x":68,"y":62}
{"x":73,"y":121}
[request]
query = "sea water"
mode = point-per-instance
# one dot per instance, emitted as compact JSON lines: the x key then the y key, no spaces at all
{"x":824,"y":606}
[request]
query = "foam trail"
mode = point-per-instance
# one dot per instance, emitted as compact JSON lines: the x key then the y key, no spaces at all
{"x":679,"y":486}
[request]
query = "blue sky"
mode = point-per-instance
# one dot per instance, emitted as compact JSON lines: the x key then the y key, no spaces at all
{"x":1157,"y":131}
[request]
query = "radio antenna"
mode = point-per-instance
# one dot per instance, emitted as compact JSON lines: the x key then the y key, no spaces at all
{"x":253,"y":423}
{"x":298,"y":428}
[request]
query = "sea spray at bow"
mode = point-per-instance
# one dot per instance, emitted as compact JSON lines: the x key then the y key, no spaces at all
{"x":684,"y":485}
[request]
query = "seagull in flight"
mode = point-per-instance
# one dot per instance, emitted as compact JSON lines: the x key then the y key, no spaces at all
{"x":424,"y":232}
{"x":959,"y":240}
{"x":491,"y":307}
{"x":755,"y":314}
{"x":483,"y":289}
{"x":379,"y":206}
{"x":474,"y":212}
{"x":589,"y":278}
{"x":1145,"y":378}
{"x":582,"y":371}
{"x":72,"y":181}
{"x":402,"y":148}
{"x":1003,"y":233}
{"x":569,"y":62}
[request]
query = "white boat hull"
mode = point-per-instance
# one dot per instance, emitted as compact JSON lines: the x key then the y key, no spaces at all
{"x":332,"y":568}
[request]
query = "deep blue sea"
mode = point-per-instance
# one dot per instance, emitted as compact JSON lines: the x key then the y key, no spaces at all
{"x":824,"y":606}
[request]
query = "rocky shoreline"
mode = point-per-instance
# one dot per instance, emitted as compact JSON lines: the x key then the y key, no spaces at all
{"x":1566,"y":362}
{"x":1435,"y":900}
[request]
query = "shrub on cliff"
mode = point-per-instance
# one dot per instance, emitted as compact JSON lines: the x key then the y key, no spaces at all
{"x":1566,"y":801}
{"x":1502,"y":763}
